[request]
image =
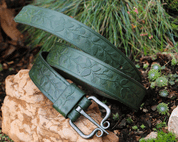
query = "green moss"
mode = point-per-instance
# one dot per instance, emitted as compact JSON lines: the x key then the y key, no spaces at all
{"x":161,"y":82}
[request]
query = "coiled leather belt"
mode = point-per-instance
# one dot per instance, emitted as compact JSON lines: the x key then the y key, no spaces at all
{"x":101,"y":67}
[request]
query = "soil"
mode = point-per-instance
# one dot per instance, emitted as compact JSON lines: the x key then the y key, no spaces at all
{"x":16,"y":55}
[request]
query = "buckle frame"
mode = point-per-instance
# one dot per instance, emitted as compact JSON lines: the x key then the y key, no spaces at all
{"x":100,"y":127}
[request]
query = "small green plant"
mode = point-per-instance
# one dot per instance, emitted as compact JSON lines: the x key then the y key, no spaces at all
{"x":153,"y":85}
{"x":160,"y":125}
{"x":141,"y":106}
{"x":137,"y":66}
{"x":162,"y":108}
{"x":174,"y":62}
{"x":104,"y":101}
{"x":142,"y":126}
{"x":161,"y":137}
{"x":163,"y":67}
{"x":11,"y":69}
{"x":171,"y":82}
{"x":176,"y":80}
{"x":172,"y":78}
{"x":4,"y":138}
{"x":145,"y":66}
{"x":161,"y":82}
{"x":116,"y":116}
{"x":129,"y":120}
{"x":135,"y":127}
{"x":153,"y":74}
{"x":156,"y":66}
{"x":163,"y":93}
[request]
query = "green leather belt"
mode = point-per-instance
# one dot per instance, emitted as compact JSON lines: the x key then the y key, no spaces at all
{"x":102,"y":68}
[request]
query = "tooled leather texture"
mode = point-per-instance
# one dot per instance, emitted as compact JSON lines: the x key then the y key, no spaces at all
{"x":96,"y":73}
{"x":64,"y":95}
{"x":106,"y":68}
{"x":79,"y":35}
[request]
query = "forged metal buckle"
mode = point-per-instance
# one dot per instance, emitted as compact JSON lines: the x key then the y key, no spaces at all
{"x":100,"y":128}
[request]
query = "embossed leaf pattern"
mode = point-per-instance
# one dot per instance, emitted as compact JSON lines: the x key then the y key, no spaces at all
{"x":82,"y":31}
{"x":94,"y":79}
{"x":125,"y":67}
{"x":46,"y":72}
{"x":76,"y":37}
{"x":69,"y":25}
{"x":59,"y":28}
{"x":101,"y":53}
{"x":86,"y":72}
{"x":124,"y":92}
{"x":51,"y":91}
{"x":128,"y":69}
{"x":94,"y":49}
{"x":78,"y":59}
{"x":77,"y":67}
{"x":71,"y":66}
{"x":133,"y":89}
{"x":95,"y":68}
{"x":95,"y":39}
{"x":59,"y":25}
{"x":124,"y":82}
{"x":67,"y":95}
{"x":88,"y":62}
{"x":43,"y":80}
{"x":49,"y":82}
{"x":38,"y":19}
{"x":103,"y":81}
{"x":110,"y":75}
{"x":83,"y":65}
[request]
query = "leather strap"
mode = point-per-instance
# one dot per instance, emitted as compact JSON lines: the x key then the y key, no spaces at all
{"x":104,"y":68}
{"x":65,"y":96}
{"x":79,"y":35}
{"x":96,"y":75}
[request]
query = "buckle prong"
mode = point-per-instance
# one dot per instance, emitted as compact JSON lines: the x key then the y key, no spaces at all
{"x":79,"y":109}
{"x":100,"y":128}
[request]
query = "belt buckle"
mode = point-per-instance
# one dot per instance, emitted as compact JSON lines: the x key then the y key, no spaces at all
{"x":100,"y":127}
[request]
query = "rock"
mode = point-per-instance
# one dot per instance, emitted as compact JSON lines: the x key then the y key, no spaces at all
{"x":151,"y":135}
{"x":153,"y":107}
{"x":173,"y":122}
{"x":117,"y":132}
{"x":145,"y":110}
{"x":28,"y":116}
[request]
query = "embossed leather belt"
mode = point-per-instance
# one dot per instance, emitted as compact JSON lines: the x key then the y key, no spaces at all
{"x":101,"y":67}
